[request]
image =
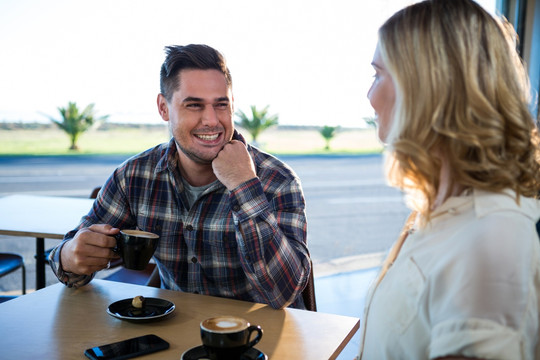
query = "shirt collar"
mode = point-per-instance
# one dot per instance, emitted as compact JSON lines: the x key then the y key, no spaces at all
{"x":486,"y":203}
{"x":239,"y":137}
{"x":169,"y":157}
{"x":454,"y":205}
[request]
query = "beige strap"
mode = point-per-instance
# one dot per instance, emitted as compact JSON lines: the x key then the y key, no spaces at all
{"x":394,"y":252}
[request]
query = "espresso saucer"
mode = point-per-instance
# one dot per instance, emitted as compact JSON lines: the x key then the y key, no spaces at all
{"x":154,"y":308}
{"x":199,"y":353}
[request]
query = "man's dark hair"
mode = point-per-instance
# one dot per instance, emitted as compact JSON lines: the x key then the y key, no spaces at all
{"x":193,"y":56}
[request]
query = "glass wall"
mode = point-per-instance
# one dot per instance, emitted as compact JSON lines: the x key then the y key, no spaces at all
{"x":525,"y":16}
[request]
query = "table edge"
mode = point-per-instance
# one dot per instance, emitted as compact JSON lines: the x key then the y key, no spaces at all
{"x":32,"y":234}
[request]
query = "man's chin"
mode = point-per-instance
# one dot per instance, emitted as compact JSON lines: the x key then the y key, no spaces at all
{"x":200,"y":158}
{"x":197,"y":157}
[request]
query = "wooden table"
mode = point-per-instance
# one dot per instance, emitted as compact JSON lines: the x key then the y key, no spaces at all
{"x":60,"y":323}
{"x":42,"y":217}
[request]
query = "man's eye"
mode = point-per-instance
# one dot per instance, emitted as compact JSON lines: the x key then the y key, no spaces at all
{"x":194,"y":106}
{"x":222,"y":105}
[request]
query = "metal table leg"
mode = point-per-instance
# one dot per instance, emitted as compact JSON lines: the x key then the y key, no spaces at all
{"x":40,"y":263}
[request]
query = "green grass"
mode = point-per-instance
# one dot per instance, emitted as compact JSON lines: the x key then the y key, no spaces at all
{"x":56,"y":142}
{"x":133,"y":139}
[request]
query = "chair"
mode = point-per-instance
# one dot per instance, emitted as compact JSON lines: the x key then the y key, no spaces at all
{"x":308,"y":294}
{"x":95,"y":192}
{"x":8,"y":263}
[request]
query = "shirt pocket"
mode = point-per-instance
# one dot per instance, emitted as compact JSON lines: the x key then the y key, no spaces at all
{"x":401,"y":299}
{"x":222,"y":242}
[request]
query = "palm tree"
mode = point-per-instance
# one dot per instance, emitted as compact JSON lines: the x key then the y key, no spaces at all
{"x":74,"y":122}
{"x":371,"y":121}
{"x":328,"y":133}
{"x":258,"y":122}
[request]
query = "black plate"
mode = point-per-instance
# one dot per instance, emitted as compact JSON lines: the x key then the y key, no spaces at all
{"x":154,"y":308}
{"x":199,"y":353}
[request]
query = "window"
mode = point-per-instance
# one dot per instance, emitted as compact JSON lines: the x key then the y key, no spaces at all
{"x":525,"y":16}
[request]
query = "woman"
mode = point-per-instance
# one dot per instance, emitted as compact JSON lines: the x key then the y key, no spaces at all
{"x":463,"y":279}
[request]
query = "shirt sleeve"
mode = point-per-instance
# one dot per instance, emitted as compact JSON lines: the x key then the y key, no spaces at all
{"x":271,"y":234}
{"x":67,"y":278}
{"x":473,"y":337}
{"x":485,"y":305}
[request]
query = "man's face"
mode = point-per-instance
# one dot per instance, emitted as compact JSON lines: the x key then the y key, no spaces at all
{"x":199,"y":114}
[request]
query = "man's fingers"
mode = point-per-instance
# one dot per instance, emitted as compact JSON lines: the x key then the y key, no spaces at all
{"x":105,"y":229}
{"x":101,"y":238}
{"x":92,"y":247}
{"x":233,"y":165}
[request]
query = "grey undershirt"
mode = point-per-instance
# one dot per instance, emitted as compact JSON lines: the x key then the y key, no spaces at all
{"x":193,"y":193}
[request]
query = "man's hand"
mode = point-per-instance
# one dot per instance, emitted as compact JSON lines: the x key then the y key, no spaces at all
{"x":233,"y":165}
{"x":90,"y":250}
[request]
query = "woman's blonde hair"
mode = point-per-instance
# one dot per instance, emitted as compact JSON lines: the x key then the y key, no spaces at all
{"x":462,"y":95}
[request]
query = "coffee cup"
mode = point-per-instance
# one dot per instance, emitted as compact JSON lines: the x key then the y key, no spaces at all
{"x":136,"y":248}
{"x":228,"y":337}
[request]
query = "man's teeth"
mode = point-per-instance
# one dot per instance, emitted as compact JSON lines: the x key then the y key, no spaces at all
{"x":207,"y":137}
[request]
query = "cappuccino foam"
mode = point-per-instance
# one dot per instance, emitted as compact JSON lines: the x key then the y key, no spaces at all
{"x":140,"y":233}
{"x":224,"y":324}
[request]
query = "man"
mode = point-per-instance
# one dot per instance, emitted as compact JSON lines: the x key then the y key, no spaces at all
{"x":231,"y":218}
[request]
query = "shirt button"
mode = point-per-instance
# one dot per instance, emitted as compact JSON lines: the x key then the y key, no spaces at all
{"x":189,"y":228}
{"x":236,"y":208}
{"x":194,"y":260}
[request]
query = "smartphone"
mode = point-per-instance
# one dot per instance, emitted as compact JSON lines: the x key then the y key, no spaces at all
{"x":127,"y":349}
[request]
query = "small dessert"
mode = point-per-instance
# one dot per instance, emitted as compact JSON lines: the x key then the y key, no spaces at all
{"x":138,"y":304}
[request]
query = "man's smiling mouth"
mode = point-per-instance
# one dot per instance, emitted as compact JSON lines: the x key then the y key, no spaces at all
{"x":207,"y":137}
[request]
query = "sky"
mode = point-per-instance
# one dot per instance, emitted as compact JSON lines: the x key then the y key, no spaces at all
{"x":308,"y":60}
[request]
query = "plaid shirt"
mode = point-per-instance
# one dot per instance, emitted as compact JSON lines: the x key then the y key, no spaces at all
{"x":248,"y":244}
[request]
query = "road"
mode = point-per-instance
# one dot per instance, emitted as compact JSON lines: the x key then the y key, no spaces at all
{"x":351,"y":211}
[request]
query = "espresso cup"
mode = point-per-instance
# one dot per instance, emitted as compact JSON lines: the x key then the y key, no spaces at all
{"x":136,"y":248}
{"x":228,"y":337}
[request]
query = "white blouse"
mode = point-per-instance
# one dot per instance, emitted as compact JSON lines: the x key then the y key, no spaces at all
{"x":468,"y":284}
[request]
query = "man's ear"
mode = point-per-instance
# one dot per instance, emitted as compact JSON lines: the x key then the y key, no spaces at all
{"x":163,"y":107}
